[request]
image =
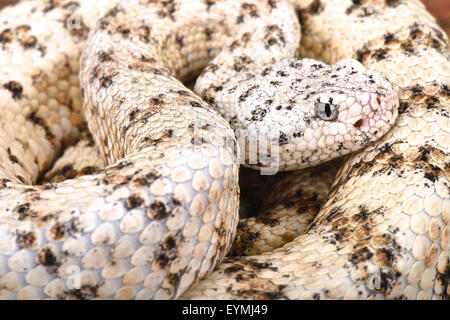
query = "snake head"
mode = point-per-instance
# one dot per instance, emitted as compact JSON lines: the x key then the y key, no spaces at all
{"x":311,"y":111}
{"x":356,"y":107}
{"x":331,"y":110}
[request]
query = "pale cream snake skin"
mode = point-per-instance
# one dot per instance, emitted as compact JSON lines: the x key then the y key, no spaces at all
{"x":387,"y":217}
{"x":151,"y":224}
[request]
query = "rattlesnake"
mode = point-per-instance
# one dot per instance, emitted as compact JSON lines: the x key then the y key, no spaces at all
{"x":104,"y":233}
{"x":383,"y":233}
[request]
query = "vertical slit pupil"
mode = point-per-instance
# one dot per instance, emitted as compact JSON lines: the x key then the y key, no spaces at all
{"x":327,"y":110}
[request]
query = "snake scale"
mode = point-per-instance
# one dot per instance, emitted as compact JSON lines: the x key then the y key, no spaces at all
{"x":151,"y":224}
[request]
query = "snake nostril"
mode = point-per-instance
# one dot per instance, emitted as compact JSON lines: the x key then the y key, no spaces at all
{"x":358,"y":123}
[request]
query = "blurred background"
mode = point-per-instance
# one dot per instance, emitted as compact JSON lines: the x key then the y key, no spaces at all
{"x":439,"y":8}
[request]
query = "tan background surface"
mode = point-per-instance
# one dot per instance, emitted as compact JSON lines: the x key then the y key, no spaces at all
{"x":439,"y":8}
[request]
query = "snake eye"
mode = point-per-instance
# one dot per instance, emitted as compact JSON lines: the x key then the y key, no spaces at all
{"x":326,"y":111}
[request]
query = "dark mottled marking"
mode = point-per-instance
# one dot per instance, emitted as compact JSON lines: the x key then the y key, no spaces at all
{"x":104,"y":56}
{"x":444,"y":279}
{"x":246,"y":94}
{"x":144,"y":33}
{"x":259,"y":266}
{"x":283,"y":139}
{"x":58,"y":231}
{"x":147,"y":59}
{"x":71,"y":4}
{"x":245,"y":240}
{"x":89,"y":170}
{"x":209,"y":3}
{"x":168,"y":10}
{"x":169,"y":243}
{"x":241,"y":63}
{"x":50,"y":5}
{"x":361,"y":255}
{"x":175,"y":278}
{"x":195,"y":104}
{"x":266,"y":71}
{"x":24,"y":212}
{"x":106,"y":81}
{"x":273,"y":292}
{"x":47,"y":258}
{"x":445,"y":90}
{"x":124,"y":31}
{"x":355,"y":4}
{"x":362,"y":55}
{"x":15,"y":88}
{"x":158,"y":211}
{"x":392,"y":3}
{"x":175,"y":201}
{"x":26,"y":240}
{"x":267,"y":220}
{"x":162,"y":260}
{"x":258,"y":114}
{"x":12,"y":157}
{"x":403,"y":107}
{"x":86,"y":292}
{"x":66,"y":172}
{"x":141,"y":182}
{"x":315,"y":7}
{"x":6,"y":36}
{"x":272,"y":4}
{"x":217,"y":88}
{"x":166,"y":251}
{"x":432,"y":172}
{"x":275,"y":83}
{"x":25,"y":39}
{"x":234,"y":268}
{"x":113,"y":12}
{"x":408,"y":46}
{"x":134,"y":201}
{"x":246,"y":37}
{"x":251,"y":9}
{"x":133,"y":114}
{"x":208,"y":33}
{"x":380,"y":54}
{"x":385,"y":256}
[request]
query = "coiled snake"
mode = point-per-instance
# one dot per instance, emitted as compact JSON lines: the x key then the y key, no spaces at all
{"x":152,"y":222}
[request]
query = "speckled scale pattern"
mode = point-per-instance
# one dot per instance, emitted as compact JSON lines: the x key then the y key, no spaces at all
{"x":164,"y":194}
{"x":274,"y":105}
{"x":167,"y":201}
{"x":80,"y":158}
{"x":384,"y":232}
{"x":270,"y":215}
{"x":279,"y":214}
{"x":145,"y":227}
{"x":39,"y":83}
